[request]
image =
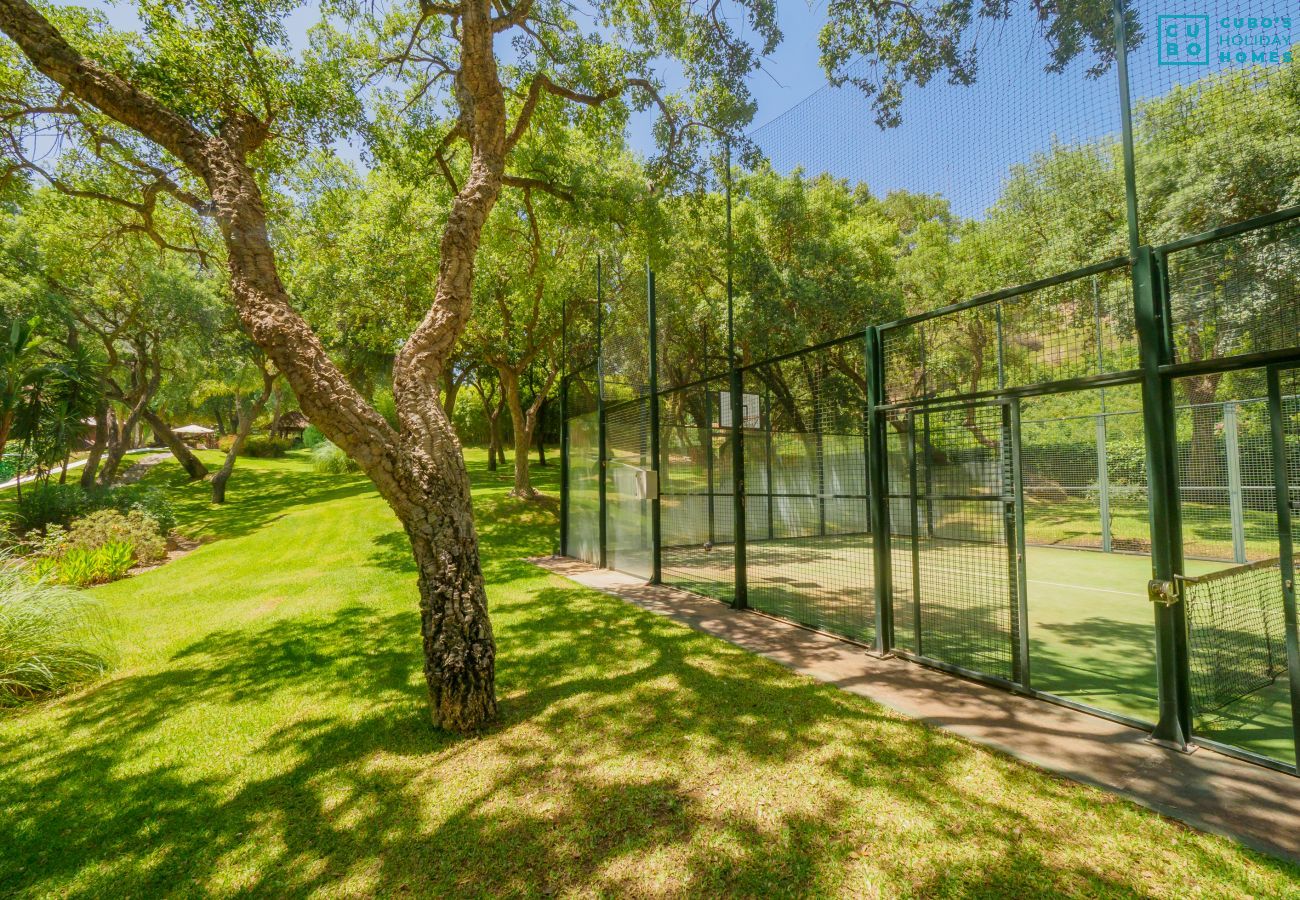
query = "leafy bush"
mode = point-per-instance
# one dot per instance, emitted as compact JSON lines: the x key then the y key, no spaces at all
{"x":329,"y":459}
{"x":137,"y":529}
{"x":83,"y":567}
{"x":49,"y":504}
{"x":51,"y":639}
{"x":312,"y":437}
{"x":225,"y":442}
{"x":53,"y":504}
{"x":266,"y":447}
{"x":151,"y":501}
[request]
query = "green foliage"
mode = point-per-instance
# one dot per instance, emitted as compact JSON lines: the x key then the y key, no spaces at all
{"x":51,"y":638}
{"x":260,"y":446}
{"x":50,"y":503}
{"x":312,"y":437}
{"x":137,"y":530}
{"x":82,"y":567}
{"x":329,"y":459}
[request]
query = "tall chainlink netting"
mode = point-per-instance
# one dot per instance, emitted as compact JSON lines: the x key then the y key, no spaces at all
{"x":1036,"y":304}
{"x":628,"y":468}
{"x":696,"y":495}
{"x":1216,"y":121}
{"x":810,"y":547}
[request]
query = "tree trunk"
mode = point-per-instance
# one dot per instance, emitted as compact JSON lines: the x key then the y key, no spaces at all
{"x":420,"y":470}
{"x":6,"y":425}
{"x":1204,"y":467}
{"x":524,"y":423}
{"x":451,"y":384}
{"x":89,"y":471}
{"x":192,"y":465}
{"x":494,"y":443}
{"x":523,"y":434}
{"x":119,"y":441}
{"x":228,"y":466}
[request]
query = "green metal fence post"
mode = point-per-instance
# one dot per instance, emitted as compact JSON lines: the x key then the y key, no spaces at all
{"x":564,"y":466}
{"x":767,"y":440}
{"x":739,"y":521}
{"x":656,"y":556}
{"x":1174,"y":725}
{"x":708,"y":459}
{"x":1286,"y":547}
{"x":1016,"y":550}
{"x":1236,"y":503}
{"x":564,"y":426}
{"x":602,"y":443}
{"x":878,"y":492}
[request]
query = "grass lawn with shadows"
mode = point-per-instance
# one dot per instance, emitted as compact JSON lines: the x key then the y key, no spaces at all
{"x":266,"y":733}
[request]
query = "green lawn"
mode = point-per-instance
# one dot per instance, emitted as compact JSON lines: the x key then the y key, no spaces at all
{"x":266,"y":733}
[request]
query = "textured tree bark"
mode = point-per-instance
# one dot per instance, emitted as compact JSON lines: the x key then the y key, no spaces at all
{"x":192,"y":465}
{"x":245,"y":426}
{"x":523,"y":421}
{"x":119,"y":437}
{"x":91,"y":468}
{"x":420,"y":471}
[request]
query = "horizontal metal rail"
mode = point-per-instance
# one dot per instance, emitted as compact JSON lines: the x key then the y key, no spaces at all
{"x":1042,"y":388}
{"x":1118,"y":262}
{"x":1229,"y":231}
{"x":1224,"y":574}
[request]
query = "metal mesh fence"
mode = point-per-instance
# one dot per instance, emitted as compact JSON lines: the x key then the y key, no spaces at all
{"x":1080,"y":327}
{"x":1237,"y":296}
{"x":1236,"y":633}
{"x":1015,"y":433}
{"x":627,"y":508}
{"x":696,"y":496}
{"x":809,"y":541}
{"x":957,"y":546}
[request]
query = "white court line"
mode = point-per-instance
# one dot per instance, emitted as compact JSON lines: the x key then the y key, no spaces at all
{"x":1081,"y":587}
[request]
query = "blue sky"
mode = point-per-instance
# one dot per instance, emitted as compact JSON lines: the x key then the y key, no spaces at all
{"x":957,"y":141}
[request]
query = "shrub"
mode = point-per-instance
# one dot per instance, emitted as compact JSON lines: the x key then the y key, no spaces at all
{"x":266,"y":447}
{"x":329,"y":459}
{"x":151,"y":501}
{"x":51,"y":639}
{"x":52,"y":504}
{"x":225,"y":442}
{"x":312,"y":437}
{"x":137,"y":529}
{"x":81,"y":567}
{"x":49,"y":504}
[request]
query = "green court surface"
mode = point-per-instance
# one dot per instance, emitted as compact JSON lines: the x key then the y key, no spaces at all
{"x":1090,"y":623}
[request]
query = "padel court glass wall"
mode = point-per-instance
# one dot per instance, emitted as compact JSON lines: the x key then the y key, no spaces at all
{"x":1079,"y":488}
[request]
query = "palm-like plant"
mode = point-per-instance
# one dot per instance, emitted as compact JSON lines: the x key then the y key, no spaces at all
{"x":21,"y":363}
{"x":58,"y":399}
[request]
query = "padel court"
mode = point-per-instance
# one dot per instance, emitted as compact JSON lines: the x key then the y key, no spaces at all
{"x":998,"y":489}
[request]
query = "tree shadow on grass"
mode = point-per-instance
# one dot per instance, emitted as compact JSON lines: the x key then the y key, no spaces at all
{"x":256,"y":497}
{"x":614,"y":725}
{"x":632,"y":756}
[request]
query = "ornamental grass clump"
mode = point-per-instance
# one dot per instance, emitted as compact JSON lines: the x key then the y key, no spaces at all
{"x":52,"y":639}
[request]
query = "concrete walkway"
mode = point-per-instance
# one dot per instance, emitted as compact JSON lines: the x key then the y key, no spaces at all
{"x":1256,"y":806}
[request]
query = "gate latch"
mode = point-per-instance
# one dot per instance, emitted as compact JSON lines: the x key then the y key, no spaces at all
{"x":1164,"y":592}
